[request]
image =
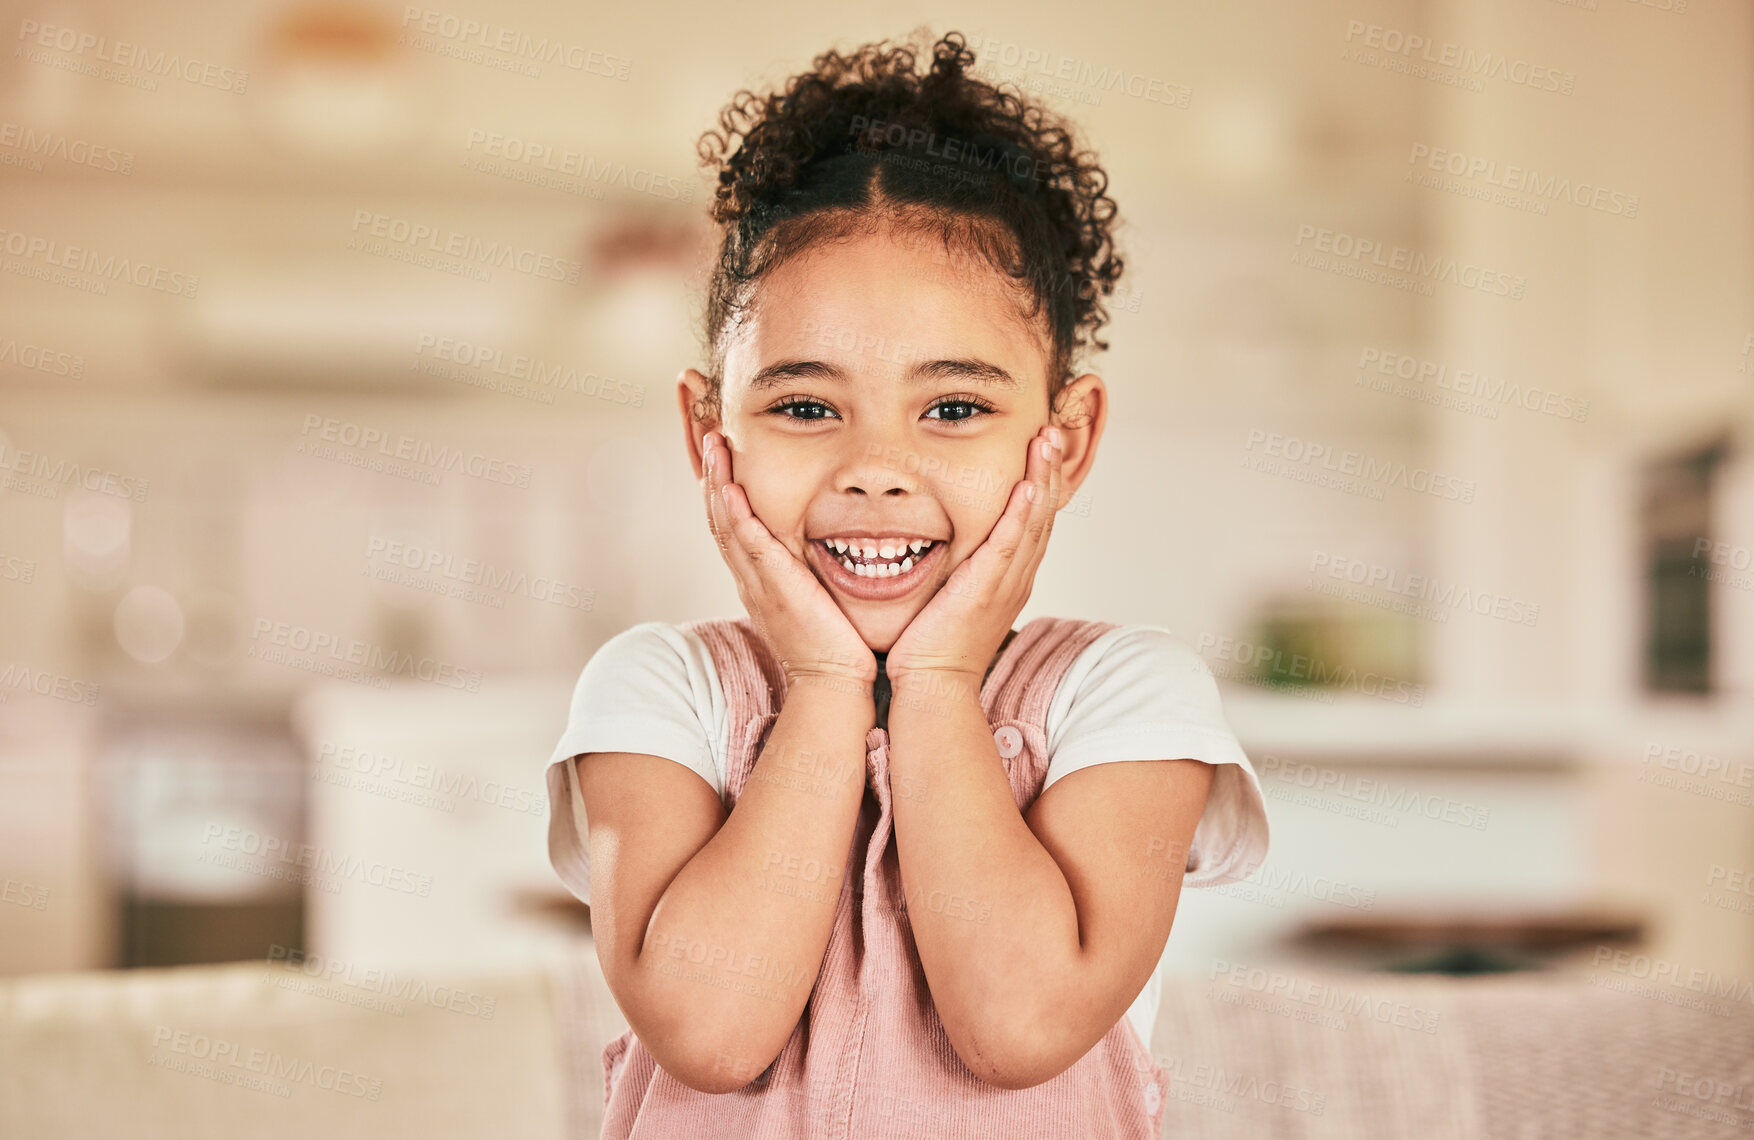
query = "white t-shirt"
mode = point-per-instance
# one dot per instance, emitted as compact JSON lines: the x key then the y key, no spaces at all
{"x":1135,"y":693}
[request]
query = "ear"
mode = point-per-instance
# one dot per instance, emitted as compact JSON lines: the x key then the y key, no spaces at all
{"x":1080,"y":414}
{"x":691,"y":389}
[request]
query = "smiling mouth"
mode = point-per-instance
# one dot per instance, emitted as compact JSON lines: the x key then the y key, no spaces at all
{"x":873,"y":559}
{"x":893,"y":569}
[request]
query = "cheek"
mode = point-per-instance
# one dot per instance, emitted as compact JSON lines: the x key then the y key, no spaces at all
{"x":974,"y":494}
{"x":778,"y":499}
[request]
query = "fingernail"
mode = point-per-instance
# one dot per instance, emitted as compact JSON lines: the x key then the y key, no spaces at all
{"x":1029,"y":492}
{"x":1056,"y":438}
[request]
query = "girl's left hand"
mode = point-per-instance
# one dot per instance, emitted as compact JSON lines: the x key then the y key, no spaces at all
{"x":962,"y":627}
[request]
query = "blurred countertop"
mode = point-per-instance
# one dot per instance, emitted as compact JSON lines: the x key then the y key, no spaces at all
{"x":1445,"y":732}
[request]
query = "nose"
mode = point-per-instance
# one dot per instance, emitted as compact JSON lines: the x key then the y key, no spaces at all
{"x":877,"y":463}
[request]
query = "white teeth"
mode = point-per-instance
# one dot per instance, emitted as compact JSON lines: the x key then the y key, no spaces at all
{"x":911,"y":549}
{"x":879,"y":570}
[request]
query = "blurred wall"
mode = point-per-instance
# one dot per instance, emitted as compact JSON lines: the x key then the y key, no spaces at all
{"x":294,"y":203}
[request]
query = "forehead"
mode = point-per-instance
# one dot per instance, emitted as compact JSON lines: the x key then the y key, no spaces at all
{"x":884,"y":301}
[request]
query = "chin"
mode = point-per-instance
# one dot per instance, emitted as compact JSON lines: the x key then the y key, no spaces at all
{"x":880,"y":626}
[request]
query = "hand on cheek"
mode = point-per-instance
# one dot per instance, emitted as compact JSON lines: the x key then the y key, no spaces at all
{"x":805,"y":626}
{"x":962,"y":627}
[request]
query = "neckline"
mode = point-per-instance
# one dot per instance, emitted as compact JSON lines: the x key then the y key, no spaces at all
{"x":881,"y":691}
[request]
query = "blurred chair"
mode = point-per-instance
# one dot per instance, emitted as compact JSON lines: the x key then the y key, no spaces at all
{"x":273,"y":1052}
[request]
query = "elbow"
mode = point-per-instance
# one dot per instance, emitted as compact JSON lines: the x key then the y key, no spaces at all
{"x":712,"y":1069}
{"x":698,"y":1053}
{"x":711,"y":1049}
{"x":1017,"y":1054}
{"x":710,"y":1057}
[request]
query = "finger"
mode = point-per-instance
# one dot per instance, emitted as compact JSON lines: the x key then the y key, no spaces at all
{"x":709,"y":477}
{"x":762,"y":557}
{"x":713,"y":481}
{"x":756,"y":542}
{"x":1044,"y":484}
{"x":1059,"y":473}
{"x":719,"y":477}
{"x":1056,"y":481}
{"x":1056,"y":488}
{"x":1009,"y":531}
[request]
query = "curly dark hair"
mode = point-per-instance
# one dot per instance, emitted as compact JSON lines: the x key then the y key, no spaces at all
{"x":862,"y":138}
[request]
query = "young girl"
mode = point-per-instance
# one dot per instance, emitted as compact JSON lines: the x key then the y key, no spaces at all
{"x":871,"y":861}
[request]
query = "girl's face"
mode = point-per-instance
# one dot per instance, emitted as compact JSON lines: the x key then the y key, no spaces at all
{"x":877,"y":388}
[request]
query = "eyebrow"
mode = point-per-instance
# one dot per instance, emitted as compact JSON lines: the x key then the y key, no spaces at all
{"x":974,"y":371}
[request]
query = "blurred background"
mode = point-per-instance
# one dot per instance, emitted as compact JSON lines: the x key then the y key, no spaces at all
{"x":337,"y":429}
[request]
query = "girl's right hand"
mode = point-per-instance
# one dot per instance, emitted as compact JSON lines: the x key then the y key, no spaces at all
{"x":790,"y":607}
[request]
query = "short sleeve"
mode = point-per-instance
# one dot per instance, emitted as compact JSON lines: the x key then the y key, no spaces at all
{"x":1140,"y":693}
{"x":649,"y":689}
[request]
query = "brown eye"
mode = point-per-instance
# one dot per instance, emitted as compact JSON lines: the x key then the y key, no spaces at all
{"x":965,"y":408}
{"x":783,"y":408}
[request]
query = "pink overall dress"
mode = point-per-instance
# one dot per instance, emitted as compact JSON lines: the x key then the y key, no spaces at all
{"x":869,"y":1057}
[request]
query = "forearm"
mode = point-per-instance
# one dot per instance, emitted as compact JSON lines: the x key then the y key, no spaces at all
{"x":992,"y":914}
{"x":736,"y":940}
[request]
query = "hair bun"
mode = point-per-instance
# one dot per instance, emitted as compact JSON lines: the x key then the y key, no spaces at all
{"x":864,"y":131}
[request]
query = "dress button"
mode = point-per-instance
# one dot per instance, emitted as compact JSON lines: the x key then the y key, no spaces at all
{"x":1009,"y":740}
